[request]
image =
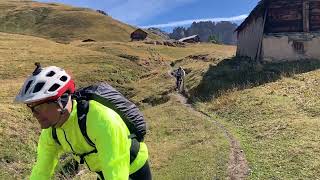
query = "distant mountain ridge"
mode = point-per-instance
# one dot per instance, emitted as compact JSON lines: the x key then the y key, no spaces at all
{"x":222,"y":31}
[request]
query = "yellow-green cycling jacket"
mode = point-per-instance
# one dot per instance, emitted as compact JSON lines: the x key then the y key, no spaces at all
{"x":110,"y":136}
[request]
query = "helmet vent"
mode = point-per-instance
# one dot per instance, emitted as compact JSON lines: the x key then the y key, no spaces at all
{"x":50,"y":74}
{"x":54,"y":87}
{"x":64,"y":78}
{"x":28,"y":86}
{"x":38,"y":87}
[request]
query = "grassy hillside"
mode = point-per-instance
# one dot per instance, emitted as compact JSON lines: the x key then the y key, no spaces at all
{"x":273,"y":109}
{"x":279,"y":122}
{"x":61,"y":23}
{"x":181,"y":143}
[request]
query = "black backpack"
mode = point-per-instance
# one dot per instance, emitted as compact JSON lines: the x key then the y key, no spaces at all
{"x":110,"y":97}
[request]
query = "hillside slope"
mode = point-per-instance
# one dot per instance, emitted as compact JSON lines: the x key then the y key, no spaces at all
{"x":61,"y":22}
{"x":173,"y":130}
{"x":273,"y":109}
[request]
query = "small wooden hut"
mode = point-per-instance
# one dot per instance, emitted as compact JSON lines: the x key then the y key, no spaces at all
{"x":138,"y":35}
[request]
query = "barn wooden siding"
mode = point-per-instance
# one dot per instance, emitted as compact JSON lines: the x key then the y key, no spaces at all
{"x":314,"y":16}
{"x":284,"y":16}
{"x":279,"y":19}
{"x":249,"y":38}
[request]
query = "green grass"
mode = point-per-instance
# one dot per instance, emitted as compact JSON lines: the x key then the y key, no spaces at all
{"x":241,"y":73}
{"x":272,"y":109}
{"x":184,"y":144}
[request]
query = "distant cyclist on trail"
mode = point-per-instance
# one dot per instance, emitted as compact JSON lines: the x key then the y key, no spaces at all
{"x":92,"y":123}
{"x":179,"y":74}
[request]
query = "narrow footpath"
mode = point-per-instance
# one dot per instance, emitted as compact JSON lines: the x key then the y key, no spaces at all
{"x":237,"y":166}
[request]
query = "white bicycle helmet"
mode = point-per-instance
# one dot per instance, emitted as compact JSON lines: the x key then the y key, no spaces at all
{"x":45,"y":84}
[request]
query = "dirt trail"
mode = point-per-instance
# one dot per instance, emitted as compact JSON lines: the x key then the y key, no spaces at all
{"x":237,"y":165}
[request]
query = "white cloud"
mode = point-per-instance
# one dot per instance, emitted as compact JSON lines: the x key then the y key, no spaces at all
{"x":137,"y":11}
{"x":187,"y":22}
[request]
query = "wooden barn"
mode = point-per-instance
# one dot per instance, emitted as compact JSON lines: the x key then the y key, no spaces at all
{"x":281,"y":30}
{"x":190,"y":39}
{"x":138,"y":35}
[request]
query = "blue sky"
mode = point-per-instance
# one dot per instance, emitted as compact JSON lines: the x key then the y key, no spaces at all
{"x":167,"y":14}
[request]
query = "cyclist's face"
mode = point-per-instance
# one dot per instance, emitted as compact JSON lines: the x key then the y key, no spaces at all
{"x":47,"y":113}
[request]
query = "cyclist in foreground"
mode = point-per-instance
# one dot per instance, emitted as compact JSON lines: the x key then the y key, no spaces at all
{"x":113,"y":152}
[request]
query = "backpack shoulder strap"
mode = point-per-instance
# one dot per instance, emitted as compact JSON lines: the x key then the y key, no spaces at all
{"x":54,"y":135}
{"x":82,"y":110}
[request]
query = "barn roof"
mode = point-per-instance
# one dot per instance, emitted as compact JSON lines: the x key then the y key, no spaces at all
{"x":139,"y":30}
{"x":189,"y":37}
{"x":256,"y":12}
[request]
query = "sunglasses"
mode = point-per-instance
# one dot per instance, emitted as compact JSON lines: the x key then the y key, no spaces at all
{"x":42,"y":107}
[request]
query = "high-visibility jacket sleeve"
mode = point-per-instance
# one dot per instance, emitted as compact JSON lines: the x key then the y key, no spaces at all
{"x":48,"y":155}
{"x":110,"y":136}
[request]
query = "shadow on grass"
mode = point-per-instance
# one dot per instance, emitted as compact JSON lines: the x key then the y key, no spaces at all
{"x":242,"y":73}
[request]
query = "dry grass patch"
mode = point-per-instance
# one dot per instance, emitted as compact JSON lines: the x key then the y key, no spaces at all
{"x":183,"y":144}
{"x":19,"y":133}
